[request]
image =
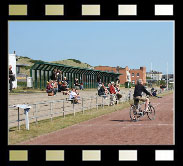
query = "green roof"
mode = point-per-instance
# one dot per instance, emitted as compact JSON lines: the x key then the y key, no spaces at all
{"x":45,"y":66}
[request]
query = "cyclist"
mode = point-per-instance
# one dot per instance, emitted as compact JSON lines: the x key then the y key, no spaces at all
{"x":139,"y":88}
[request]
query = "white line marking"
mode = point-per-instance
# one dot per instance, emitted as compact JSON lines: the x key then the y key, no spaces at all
{"x":119,"y":124}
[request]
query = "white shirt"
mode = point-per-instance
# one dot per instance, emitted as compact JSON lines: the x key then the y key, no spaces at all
{"x":72,"y":95}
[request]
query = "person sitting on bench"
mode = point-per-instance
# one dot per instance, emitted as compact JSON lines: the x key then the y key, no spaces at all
{"x":117,"y":89}
{"x":64,"y":85}
{"x":154,"y":93}
{"x":102,"y":91}
{"x":49,"y":89}
{"x":73,"y":96}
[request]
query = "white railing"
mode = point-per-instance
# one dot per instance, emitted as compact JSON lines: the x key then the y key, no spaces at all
{"x":64,"y":107}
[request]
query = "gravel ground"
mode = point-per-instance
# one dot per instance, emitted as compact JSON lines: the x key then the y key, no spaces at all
{"x":44,"y":109}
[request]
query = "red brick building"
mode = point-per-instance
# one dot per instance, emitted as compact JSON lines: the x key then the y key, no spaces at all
{"x":135,"y":74}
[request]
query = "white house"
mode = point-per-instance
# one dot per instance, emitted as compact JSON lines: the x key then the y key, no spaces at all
{"x":12,"y":62}
{"x":155,"y":75}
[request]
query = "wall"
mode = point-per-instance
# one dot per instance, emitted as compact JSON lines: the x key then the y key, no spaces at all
{"x":141,"y":72}
{"x":123,"y":71}
{"x":12,"y":62}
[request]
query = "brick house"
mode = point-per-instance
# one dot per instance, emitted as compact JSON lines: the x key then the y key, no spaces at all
{"x":135,"y":74}
{"x":138,"y":74}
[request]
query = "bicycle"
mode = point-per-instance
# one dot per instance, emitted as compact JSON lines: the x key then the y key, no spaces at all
{"x":136,"y":112}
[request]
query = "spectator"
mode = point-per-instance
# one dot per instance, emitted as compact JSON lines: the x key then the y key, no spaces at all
{"x":66,"y":81}
{"x":59,"y":76}
{"x":59,"y":79}
{"x":54,"y":74}
{"x":50,"y":89}
{"x":108,"y":88}
{"x":76,"y":84}
{"x":152,"y":90}
{"x":102,"y":91}
{"x":11,"y":78}
{"x":99,"y":86}
{"x":55,"y":86}
{"x":81,"y":86}
{"x":162,"y":87}
{"x":73,"y":96}
{"x":112,"y":92}
{"x":117,"y":81}
{"x":117,"y":89}
{"x":154,"y":93}
{"x":99,"y":81}
{"x":78,"y":97}
{"x":112,"y":88}
{"x":64,"y":85}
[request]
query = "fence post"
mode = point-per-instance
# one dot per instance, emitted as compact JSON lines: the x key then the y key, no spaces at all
{"x":73,"y":108}
{"x":18,"y":118}
{"x":36,"y":112}
{"x":90,"y":103}
{"x":82,"y":105}
{"x":63,"y":108}
{"x":113,"y":99}
{"x":51,"y":110}
{"x":102,"y":101}
{"x":97,"y":102}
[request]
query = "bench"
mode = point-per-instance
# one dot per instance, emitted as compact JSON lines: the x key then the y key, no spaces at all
{"x":65,"y":92}
{"x":51,"y":94}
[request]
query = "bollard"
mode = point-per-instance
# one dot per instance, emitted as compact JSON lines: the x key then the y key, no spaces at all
{"x":97,"y":102}
{"x":26,"y":112}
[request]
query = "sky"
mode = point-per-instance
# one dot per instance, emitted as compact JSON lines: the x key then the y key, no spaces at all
{"x":107,"y":43}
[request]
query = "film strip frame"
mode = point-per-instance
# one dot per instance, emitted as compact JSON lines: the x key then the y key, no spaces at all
{"x":88,"y":155}
{"x":95,"y":10}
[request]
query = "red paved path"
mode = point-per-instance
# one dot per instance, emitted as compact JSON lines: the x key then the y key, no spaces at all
{"x":117,"y":129}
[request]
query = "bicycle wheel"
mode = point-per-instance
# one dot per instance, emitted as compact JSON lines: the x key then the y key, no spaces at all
{"x":133,"y":114}
{"x":151,"y":112}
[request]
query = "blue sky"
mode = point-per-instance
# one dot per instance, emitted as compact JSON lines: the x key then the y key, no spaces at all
{"x":107,"y":43}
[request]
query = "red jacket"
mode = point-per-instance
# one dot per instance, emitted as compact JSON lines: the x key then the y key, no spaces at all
{"x":112,"y":89}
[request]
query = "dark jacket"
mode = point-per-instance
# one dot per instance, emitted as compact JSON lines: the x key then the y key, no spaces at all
{"x":101,"y":91}
{"x":11,"y":75}
{"x":139,"y":89}
{"x":76,"y":83}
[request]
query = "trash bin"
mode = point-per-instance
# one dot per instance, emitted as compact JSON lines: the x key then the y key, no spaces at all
{"x":29,"y":82}
{"x":127,"y":84}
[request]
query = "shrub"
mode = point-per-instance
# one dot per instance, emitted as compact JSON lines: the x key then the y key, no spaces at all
{"x":75,"y":60}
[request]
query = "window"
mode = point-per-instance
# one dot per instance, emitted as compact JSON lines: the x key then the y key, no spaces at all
{"x":133,"y":82}
{"x":138,"y":74}
{"x":133,"y":74}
